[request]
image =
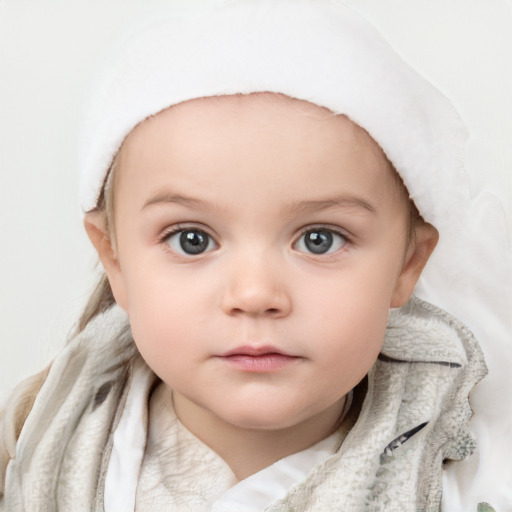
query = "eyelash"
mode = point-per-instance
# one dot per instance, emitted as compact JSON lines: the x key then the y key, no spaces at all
{"x":169,"y":233}
{"x":345,"y":239}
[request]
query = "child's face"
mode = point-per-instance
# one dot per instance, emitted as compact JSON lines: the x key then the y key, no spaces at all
{"x":260,"y":245}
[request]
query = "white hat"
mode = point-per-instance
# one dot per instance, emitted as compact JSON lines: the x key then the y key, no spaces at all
{"x":324,"y":53}
{"x":316,"y":51}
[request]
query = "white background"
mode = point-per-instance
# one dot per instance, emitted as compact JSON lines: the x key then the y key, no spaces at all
{"x":48,"y":49}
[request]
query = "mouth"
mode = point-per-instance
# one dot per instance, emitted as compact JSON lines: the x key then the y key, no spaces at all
{"x":257,"y":359}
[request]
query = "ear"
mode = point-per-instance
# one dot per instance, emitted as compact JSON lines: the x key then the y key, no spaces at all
{"x":95,"y":226}
{"x":420,"y":248}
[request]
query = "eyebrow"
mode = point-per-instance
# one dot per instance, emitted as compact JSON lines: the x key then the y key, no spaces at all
{"x":171,"y":198}
{"x":294,"y":208}
{"x":335,"y":202}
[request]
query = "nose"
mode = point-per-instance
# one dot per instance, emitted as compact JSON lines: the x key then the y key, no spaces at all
{"x":256,"y":287}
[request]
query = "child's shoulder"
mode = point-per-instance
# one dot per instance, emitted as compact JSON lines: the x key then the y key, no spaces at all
{"x":90,"y":372}
{"x":415,"y":415}
{"x":13,"y":414}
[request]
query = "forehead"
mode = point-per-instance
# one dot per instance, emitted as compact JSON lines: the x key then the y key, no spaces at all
{"x":244,"y":139}
{"x":261,"y":110}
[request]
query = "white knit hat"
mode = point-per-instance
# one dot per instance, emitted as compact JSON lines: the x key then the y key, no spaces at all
{"x":322,"y":52}
{"x":312,"y":50}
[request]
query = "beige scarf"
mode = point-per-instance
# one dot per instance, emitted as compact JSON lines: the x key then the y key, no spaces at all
{"x":413,"y":418}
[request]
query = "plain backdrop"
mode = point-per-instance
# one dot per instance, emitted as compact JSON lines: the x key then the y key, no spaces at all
{"x":48,"y":50}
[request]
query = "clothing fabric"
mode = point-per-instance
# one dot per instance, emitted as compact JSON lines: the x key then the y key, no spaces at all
{"x":179,"y":472}
{"x":413,"y":418}
{"x":314,"y":50}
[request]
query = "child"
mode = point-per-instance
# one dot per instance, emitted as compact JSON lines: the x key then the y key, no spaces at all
{"x":257,"y":184}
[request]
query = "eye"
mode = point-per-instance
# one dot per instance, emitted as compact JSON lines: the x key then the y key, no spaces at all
{"x":190,"y":242}
{"x":320,"y":241}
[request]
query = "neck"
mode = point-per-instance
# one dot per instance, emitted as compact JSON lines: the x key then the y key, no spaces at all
{"x":247,"y":450}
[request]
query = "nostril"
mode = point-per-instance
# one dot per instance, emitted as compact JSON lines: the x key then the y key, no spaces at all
{"x":269,"y":311}
{"x":255,"y":300}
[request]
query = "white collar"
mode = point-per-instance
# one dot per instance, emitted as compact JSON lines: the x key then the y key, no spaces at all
{"x":257,"y":492}
{"x":252,"y":494}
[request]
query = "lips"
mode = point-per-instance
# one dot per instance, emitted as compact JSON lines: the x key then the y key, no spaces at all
{"x":257,"y":359}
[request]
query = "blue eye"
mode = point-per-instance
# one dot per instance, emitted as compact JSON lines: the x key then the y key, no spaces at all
{"x":190,"y":242}
{"x":320,"y":241}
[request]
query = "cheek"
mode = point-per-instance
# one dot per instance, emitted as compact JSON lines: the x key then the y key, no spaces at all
{"x":162,"y":314}
{"x":356,"y":296}
{"x":350,"y":316}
